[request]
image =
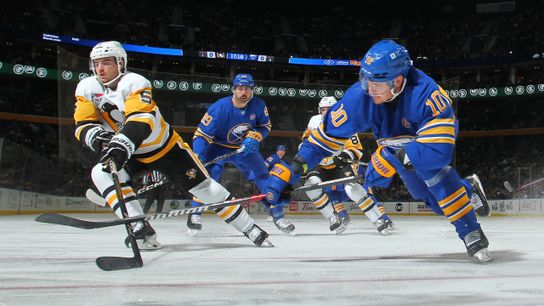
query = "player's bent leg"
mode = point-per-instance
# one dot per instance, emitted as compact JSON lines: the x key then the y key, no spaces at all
{"x":446,"y":185}
{"x":143,"y":232}
{"x":366,"y":203}
{"x":323,"y":204}
{"x":242,"y":221}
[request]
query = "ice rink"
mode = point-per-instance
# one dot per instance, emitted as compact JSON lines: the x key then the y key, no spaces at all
{"x":423,"y":263}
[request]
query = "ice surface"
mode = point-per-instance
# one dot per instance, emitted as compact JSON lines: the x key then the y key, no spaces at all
{"x":423,"y":263}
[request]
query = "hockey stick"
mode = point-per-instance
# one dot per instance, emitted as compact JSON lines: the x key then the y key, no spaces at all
{"x":111,"y":263}
{"x":83,"y":224}
{"x":510,"y":188}
{"x":352,"y":161}
{"x":95,"y":198}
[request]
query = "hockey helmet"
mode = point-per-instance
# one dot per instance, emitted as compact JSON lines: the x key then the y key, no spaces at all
{"x":383,"y":62}
{"x":243,"y":79}
{"x":326,"y":102}
{"x":109,"y":49}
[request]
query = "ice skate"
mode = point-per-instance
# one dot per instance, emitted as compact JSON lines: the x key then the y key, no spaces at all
{"x":285,"y":226}
{"x":336,"y":224}
{"x":384,"y":225}
{"x":476,"y":243}
{"x":478,"y":199}
{"x":194,"y":225}
{"x":145,"y":235}
{"x":258,"y":236}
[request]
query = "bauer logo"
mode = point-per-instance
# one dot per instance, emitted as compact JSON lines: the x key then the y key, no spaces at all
{"x":67,"y":75}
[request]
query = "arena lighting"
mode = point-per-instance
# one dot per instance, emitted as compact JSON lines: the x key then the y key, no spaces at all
{"x":128,"y":47}
{"x":208,"y":54}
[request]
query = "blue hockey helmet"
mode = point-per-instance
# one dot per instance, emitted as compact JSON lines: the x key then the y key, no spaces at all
{"x":280,"y":148}
{"x":383,"y":62}
{"x":243,"y":79}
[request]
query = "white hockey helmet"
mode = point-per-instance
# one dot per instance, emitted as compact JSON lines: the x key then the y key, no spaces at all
{"x":326,"y":102}
{"x":109,"y":49}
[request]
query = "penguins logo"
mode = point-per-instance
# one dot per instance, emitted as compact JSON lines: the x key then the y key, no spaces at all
{"x":191,"y":173}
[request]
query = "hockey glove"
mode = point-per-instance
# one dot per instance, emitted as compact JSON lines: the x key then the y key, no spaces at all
{"x":97,"y":138}
{"x":250,"y":145}
{"x":119,"y":149}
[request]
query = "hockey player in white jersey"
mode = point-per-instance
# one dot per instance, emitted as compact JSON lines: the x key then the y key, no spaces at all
{"x":117,"y":118}
{"x":333,"y":167}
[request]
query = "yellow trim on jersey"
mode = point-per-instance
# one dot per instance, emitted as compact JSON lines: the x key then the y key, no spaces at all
{"x":436,"y":140}
{"x":85,"y":110}
{"x":134,"y":103}
{"x":185,"y":146}
{"x":255,"y":135}
{"x":173,"y":140}
{"x":447,"y":121}
{"x":306,"y":134}
{"x":382,"y":166}
{"x":450,"y":130}
{"x":281,"y":172}
{"x":199,"y":132}
{"x":159,"y":137}
{"x":319,"y":138}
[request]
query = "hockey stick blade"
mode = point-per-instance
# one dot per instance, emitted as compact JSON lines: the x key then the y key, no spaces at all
{"x":508,"y":186}
{"x":53,"y":218}
{"x":94,"y":197}
{"x":111,"y":263}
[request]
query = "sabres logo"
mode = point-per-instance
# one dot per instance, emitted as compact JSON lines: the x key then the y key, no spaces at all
{"x":270,"y":196}
{"x":369,"y":60}
{"x":191,"y":173}
{"x":238,"y":132}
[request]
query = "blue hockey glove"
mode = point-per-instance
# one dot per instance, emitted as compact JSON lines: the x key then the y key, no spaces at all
{"x":119,"y":149}
{"x":250,"y":145}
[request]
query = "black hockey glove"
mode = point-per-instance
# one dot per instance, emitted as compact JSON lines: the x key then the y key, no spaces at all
{"x":344,"y":159}
{"x":97,"y":138}
{"x":119,"y":149}
{"x":299,"y":166}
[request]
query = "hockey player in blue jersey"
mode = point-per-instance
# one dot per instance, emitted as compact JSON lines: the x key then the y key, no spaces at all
{"x":275,"y":158}
{"x":233,"y":122}
{"x":414,"y":124}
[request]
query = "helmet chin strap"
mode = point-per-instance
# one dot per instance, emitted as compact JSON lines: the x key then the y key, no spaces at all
{"x":394,"y":95}
{"x":119,"y":75}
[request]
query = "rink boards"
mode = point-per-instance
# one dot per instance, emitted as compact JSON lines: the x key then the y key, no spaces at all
{"x":23,"y":202}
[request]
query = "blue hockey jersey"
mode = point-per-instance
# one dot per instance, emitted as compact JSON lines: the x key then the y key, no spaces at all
{"x":420,"y":117}
{"x":227,"y":126}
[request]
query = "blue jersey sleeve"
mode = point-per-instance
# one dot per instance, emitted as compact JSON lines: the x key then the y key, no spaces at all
{"x":206,"y":129}
{"x":437,"y":128}
{"x":343,"y":119}
{"x":263,"y":125}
